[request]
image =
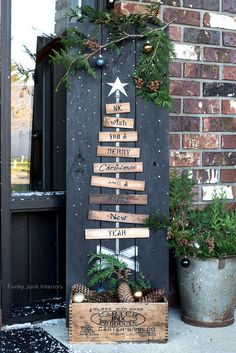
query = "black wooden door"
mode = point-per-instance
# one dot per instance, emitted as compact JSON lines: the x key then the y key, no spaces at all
{"x":33,"y":222}
{"x":85,"y":111}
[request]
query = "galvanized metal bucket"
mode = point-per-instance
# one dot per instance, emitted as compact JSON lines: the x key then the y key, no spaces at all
{"x":207,"y":291}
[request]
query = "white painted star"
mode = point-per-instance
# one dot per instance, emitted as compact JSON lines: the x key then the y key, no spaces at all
{"x":117,"y":85}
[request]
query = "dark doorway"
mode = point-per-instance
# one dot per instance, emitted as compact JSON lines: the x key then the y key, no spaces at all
{"x":33,"y":202}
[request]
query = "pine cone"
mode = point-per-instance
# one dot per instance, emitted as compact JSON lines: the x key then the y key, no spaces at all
{"x":123,"y":274}
{"x":108,"y":297}
{"x":138,"y":82}
{"x":154,"y":296}
{"x":81,"y":288}
{"x":154,"y":85}
{"x":91,"y":44}
{"x":127,"y":273}
{"x":124,"y":293}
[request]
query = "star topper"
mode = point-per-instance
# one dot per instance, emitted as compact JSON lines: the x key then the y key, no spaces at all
{"x":117,"y":85}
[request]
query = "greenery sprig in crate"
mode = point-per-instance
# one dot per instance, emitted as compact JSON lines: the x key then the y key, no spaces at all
{"x":151,"y":74}
{"x":109,"y":271}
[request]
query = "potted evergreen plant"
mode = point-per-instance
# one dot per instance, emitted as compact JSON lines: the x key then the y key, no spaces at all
{"x":204,"y":243}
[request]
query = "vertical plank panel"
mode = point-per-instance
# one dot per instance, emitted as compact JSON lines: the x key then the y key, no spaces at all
{"x":152,"y":124}
{"x":20,"y":258}
{"x":43,"y":254}
{"x":83,"y":124}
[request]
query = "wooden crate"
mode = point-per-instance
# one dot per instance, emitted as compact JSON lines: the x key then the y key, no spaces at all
{"x":118,"y":322}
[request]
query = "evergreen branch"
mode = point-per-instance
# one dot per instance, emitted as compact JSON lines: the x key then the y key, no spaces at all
{"x":151,"y":75}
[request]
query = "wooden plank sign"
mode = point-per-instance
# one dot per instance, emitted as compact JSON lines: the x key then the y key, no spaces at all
{"x":116,"y":233}
{"x":117,"y":217}
{"x":124,"y":184}
{"x":126,"y":167}
{"x":117,"y":108}
{"x":123,"y":123}
{"x":126,"y":152}
{"x":121,"y":199}
{"x":129,"y":136}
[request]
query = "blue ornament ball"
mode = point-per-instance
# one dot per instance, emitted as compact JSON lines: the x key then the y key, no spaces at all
{"x":100,"y":290}
{"x":185,"y":262}
{"x":100,"y":61}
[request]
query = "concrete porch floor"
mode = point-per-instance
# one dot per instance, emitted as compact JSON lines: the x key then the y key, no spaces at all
{"x":182,"y":339}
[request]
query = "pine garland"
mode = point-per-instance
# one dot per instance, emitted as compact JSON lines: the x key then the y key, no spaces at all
{"x":152,"y":68}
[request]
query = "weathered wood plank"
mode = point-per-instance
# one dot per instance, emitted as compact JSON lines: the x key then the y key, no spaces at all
{"x":116,"y":233}
{"x":124,"y":184}
{"x":123,"y":123}
{"x":126,"y":167}
{"x":117,"y":108}
{"x":113,"y":199}
{"x":118,"y":322}
{"x":117,"y":217}
{"x":125,"y":152}
{"x":129,"y":136}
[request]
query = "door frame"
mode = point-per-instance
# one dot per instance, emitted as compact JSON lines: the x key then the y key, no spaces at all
{"x":5,"y":155}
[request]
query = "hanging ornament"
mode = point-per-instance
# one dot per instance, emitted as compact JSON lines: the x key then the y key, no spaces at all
{"x":147,"y":47}
{"x":78,"y":298}
{"x":100,"y":290}
{"x":185,"y":262}
{"x":100,"y":61}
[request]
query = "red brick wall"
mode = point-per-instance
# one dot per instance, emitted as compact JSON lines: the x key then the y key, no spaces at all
{"x":203,"y":120}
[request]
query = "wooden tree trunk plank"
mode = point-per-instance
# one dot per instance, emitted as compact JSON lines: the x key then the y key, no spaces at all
{"x":129,"y":136}
{"x":116,"y":233}
{"x":122,"y":123}
{"x":125,"y":167}
{"x":121,"y":217}
{"x":113,"y":183}
{"x":125,"y":152}
{"x":113,"y":199}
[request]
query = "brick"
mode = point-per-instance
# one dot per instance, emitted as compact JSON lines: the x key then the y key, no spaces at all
{"x":229,"y":106}
{"x":228,"y":175}
{"x":201,"y":106}
{"x":206,"y":176}
{"x":228,"y":141}
{"x":201,"y":71}
{"x":229,"y":73}
{"x":229,"y":39}
{"x":184,"y":17}
{"x":175,"y":69}
{"x":187,"y":52}
{"x":174,"y":141}
{"x":229,"y":6}
{"x":175,"y":33}
{"x":212,"y":89}
{"x":219,"y":124}
{"x":220,"y":55}
{"x":219,"y":21}
{"x":184,"y":123}
{"x":208,"y":192}
{"x":171,"y":2}
{"x":185,"y":88}
{"x":127,"y":8}
{"x":218,"y":158}
{"x":202,"y":4}
{"x":196,"y":193}
{"x":184,"y":159}
{"x":201,"y":36}
{"x":200,"y":141}
{"x":176,"y":105}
